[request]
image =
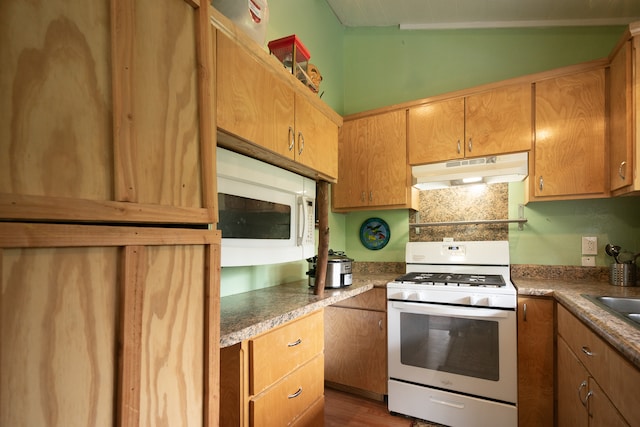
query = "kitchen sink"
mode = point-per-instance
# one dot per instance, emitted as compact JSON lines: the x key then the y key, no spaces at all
{"x":627,"y":308}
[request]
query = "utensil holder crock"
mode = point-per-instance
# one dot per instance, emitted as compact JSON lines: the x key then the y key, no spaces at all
{"x":623,"y":274}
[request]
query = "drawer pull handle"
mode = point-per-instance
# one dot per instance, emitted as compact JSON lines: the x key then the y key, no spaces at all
{"x":586,"y":351}
{"x":296,"y":394}
{"x":620,"y":173}
{"x":583,"y":385}
{"x":292,"y":138}
{"x":524,"y":312}
{"x":295,"y":343}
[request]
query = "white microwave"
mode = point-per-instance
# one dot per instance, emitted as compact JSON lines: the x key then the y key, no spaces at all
{"x":266,"y":213}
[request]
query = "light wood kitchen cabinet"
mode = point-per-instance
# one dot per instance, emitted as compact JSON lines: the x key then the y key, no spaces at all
{"x":624,"y":112}
{"x":108,"y":325}
{"x":569,"y":158}
{"x":356,"y":344}
{"x":276,"y":378}
{"x":536,"y":371}
{"x":495,"y":121}
{"x":104,"y":121}
{"x":372,"y":166}
{"x":258,"y":107}
{"x":606,"y":387}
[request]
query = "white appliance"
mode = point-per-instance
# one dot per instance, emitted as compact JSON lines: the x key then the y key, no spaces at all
{"x":266,"y":214}
{"x":488,"y":170}
{"x":452,"y":335}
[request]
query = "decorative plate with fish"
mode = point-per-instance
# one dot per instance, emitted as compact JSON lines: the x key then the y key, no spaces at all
{"x":374,"y":233}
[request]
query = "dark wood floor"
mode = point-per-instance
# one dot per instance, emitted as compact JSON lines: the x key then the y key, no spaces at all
{"x":345,"y":409}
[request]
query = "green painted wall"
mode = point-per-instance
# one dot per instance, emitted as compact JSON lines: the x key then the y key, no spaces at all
{"x":385,"y":65}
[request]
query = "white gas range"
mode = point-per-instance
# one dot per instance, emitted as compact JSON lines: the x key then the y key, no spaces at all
{"x":452,"y":335}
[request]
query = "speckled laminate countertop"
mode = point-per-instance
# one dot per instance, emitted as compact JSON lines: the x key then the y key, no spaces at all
{"x":248,"y":314}
{"x":617,"y":332}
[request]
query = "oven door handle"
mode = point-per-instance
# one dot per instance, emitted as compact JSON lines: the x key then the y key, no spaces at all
{"x":439,"y":310}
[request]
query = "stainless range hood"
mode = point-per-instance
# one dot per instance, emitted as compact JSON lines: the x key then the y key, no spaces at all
{"x":488,"y":170}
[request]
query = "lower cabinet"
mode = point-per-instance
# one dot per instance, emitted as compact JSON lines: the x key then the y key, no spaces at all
{"x":356,"y":344}
{"x":276,"y":378}
{"x":535,"y":361}
{"x":596,"y":386}
{"x":108,"y":325}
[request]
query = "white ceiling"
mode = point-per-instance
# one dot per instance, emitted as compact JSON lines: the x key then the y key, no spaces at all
{"x":429,"y":14}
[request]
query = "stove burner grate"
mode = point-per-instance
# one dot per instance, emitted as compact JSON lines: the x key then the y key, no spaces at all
{"x":453,"y":279}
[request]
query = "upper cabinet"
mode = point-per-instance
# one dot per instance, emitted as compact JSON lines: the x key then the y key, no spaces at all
{"x":569,"y":159}
{"x":373,"y":168}
{"x":624,"y":111}
{"x":264,"y":111}
{"x":101,"y":118}
{"x":492,"y":122}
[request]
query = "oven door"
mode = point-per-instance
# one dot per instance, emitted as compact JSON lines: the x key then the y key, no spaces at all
{"x":464,"y":349}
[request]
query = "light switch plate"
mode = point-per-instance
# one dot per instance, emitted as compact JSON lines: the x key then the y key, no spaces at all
{"x":589,"y":246}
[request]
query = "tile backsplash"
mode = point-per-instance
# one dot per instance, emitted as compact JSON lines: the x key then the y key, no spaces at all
{"x":469,"y":203}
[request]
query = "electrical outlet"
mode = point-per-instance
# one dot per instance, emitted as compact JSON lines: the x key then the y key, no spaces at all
{"x":589,"y":246}
{"x":588,"y":261}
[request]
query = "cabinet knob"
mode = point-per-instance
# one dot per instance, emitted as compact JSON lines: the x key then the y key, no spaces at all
{"x":292,"y":138}
{"x":541,"y":183}
{"x":470,"y":145}
{"x":300,"y":143}
{"x":620,"y":170}
{"x":380,"y":324}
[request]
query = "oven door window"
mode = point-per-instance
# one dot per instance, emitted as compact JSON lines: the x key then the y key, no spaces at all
{"x":468,"y":347}
{"x":247,"y":218}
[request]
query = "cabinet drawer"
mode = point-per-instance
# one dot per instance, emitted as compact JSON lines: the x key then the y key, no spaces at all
{"x":618,"y":378}
{"x":282,"y":350}
{"x":282,"y":403}
{"x":313,"y":417}
{"x":375,"y":299}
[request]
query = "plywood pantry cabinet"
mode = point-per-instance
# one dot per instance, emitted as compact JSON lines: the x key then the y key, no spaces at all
{"x":569,"y":157}
{"x":356,"y":344}
{"x":596,"y":386}
{"x":489,"y":122}
{"x":536,"y":371}
{"x":108,"y":118}
{"x":265,"y":111}
{"x":624,"y":111}
{"x":108,"y":325}
{"x":373,"y":169}
{"x":276,"y":378}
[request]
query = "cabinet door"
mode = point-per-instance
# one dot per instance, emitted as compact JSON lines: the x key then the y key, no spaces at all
{"x":498,"y":121}
{"x":569,"y":157}
{"x":602,"y":413}
{"x":573,"y":386}
{"x":436,"y":132}
{"x":316,"y":139}
{"x":388,"y":173}
{"x":252,"y":104}
{"x":352,"y":190}
{"x":100,"y":120}
{"x":535,"y":361}
{"x":620,"y":125}
{"x":356,"y":348}
{"x":108,"y":326}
